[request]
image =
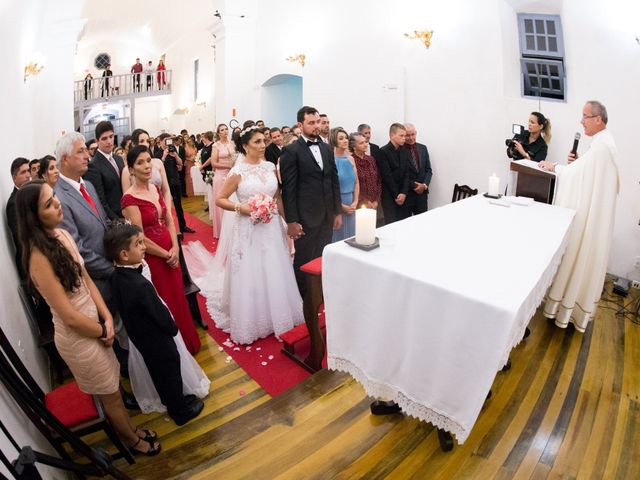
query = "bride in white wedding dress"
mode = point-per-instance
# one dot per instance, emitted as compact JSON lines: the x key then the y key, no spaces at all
{"x":250,"y":286}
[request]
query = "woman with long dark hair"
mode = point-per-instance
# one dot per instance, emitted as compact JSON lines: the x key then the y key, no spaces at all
{"x":83,"y":325}
{"x":143,"y":205}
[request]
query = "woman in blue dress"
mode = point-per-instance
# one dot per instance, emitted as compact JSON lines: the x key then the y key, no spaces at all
{"x":349,"y":186}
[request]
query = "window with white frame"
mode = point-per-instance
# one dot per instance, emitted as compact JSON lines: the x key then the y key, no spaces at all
{"x":542,"y":56}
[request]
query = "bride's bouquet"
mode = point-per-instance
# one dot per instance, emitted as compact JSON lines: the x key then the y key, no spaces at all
{"x":263,"y":208}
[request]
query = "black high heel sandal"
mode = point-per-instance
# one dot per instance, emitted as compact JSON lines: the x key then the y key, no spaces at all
{"x":152,"y":452}
{"x":149,"y":437}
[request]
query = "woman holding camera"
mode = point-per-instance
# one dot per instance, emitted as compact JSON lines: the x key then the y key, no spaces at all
{"x":532,"y":144}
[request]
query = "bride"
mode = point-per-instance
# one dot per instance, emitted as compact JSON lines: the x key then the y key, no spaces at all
{"x":250,"y":286}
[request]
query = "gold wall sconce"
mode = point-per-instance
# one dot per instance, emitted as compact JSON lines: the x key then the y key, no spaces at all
{"x":423,"y":35}
{"x":181,"y":111}
{"x":202,"y":104}
{"x":32,"y":68}
{"x":301,"y":59}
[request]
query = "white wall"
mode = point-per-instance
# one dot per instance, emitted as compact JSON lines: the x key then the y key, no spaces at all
{"x":463,"y":93}
{"x":181,"y":53}
{"x":34,"y":114}
{"x":281,"y":98}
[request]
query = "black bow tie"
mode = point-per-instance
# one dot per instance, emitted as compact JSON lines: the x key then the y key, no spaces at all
{"x":310,"y":143}
{"x":139,"y":268}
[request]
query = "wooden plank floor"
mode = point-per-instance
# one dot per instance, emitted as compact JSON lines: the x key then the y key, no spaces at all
{"x":568,"y":408}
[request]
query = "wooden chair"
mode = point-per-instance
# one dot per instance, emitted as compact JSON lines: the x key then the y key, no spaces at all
{"x":461,"y":192}
{"x":42,"y":328}
{"x":80,"y":412}
{"x":314,"y":321}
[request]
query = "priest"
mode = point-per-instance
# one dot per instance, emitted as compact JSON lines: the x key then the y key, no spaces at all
{"x":589,"y":184}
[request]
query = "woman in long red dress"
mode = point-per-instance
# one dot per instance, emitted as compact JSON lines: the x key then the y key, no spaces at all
{"x":160,"y":69}
{"x":144,"y":206}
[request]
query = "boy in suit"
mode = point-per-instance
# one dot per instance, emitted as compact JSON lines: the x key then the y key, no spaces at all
{"x":148,"y":321}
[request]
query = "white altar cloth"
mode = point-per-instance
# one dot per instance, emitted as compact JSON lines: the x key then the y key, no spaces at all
{"x":200,"y":187}
{"x":430,"y":317}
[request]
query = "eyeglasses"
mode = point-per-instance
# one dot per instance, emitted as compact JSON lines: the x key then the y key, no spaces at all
{"x":584,"y":117}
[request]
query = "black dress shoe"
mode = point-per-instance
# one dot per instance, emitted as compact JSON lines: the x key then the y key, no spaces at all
{"x":190,"y":413}
{"x":130,"y":402}
{"x":380,"y":407}
{"x":188,"y":230}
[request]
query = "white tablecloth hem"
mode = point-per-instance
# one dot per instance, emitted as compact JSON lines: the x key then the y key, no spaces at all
{"x":536,"y":299}
{"x":377,"y":389}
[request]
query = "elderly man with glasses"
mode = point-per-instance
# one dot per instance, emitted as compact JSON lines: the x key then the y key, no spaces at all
{"x":589,"y":184}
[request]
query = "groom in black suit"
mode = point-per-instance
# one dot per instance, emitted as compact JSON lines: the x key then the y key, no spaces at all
{"x":310,"y":192}
{"x":105,"y":170}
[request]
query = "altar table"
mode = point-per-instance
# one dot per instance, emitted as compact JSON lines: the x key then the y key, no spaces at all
{"x":427,"y":319}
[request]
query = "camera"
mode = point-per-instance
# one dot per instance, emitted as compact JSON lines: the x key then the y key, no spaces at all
{"x":518,"y":132}
{"x":170,"y":146}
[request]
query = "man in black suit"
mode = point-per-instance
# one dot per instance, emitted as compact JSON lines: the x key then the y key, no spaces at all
{"x":365,"y":131}
{"x":20,"y":174}
{"x":205,"y":153}
{"x":168,"y":153}
{"x":419,"y":172}
{"x":105,"y":170}
{"x":393,"y":165}
{"x":310,"y":192}
{"x":274,"y":150}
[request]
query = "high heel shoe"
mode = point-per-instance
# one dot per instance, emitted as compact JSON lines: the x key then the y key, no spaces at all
{"x":152,"y":452}
{"x":149,"y":437}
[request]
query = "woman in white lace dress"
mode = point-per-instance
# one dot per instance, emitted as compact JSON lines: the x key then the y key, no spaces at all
{"x":250,"y":287}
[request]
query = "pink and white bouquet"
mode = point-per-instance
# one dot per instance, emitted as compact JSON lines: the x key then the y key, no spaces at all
{"x":263,"y":208}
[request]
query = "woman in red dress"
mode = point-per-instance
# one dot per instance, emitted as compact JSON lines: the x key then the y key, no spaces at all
{"x":160,"y":69}
{"x":144,"y":206}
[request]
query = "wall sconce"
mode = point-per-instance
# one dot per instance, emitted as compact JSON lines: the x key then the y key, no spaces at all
{"x":181,"y":111}
{"x":164,"y":119}
{"x":32,"y":68}
{"x":423,"y":35}
{"x":202,"y":104}
{"x":301,"y":58}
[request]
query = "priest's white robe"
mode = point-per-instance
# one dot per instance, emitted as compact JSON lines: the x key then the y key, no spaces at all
{"x":590,"y":186}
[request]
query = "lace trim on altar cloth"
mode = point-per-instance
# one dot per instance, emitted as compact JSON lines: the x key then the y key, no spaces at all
{"x":409,"y":406}
{"x":534,"y":300}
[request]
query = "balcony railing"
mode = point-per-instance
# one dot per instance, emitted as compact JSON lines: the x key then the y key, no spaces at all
{"x":130,"y":84}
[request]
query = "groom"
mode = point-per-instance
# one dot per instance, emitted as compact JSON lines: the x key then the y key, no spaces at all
{"x":310,"y":192}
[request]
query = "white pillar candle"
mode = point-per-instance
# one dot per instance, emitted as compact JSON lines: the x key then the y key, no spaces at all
{"x":365,"y":226}
{"x":494,"y":185}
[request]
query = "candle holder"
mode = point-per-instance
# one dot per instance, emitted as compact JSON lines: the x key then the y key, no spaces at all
{"x":492,"y":196}
{"x":352,"y":243}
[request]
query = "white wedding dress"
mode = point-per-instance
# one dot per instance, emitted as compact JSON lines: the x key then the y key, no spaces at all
{"x":249,"y":285}
{"x":194,"y":380}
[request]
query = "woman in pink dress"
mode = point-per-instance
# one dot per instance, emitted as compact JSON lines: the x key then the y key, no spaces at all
{"x":82,"y":322}
{"x":143,"y":205}
{"x":222,"y":155}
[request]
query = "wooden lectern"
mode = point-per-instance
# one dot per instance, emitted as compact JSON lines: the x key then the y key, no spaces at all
{"x":533,"y":182}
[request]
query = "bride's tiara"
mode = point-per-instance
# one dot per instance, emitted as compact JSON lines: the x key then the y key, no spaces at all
{"x":248,"y":129}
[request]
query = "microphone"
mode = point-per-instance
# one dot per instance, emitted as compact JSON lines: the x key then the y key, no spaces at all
{"x":576,"y":139}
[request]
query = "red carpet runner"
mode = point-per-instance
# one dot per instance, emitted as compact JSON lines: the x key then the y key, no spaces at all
{"x":262,"y":360}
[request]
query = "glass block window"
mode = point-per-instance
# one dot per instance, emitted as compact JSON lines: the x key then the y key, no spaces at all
{"x":541,"y":56}
{"x":102,"y":60}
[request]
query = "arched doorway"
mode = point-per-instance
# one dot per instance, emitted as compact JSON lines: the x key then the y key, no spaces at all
{"x":281,"y":98}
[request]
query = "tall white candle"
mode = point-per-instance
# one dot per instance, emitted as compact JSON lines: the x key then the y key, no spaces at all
{"x":365,"y":226}
{"x":494,"y":185}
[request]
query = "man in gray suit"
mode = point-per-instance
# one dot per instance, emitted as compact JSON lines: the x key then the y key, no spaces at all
{"x":85,"y":219}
